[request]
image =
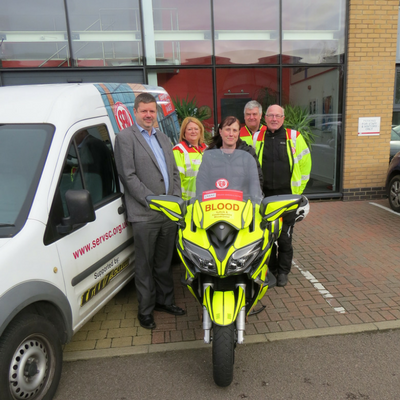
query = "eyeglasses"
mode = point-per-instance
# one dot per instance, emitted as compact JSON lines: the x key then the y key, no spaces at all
{"x":277,"y":116}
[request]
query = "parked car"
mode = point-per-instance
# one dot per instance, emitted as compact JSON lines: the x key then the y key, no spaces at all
{"x":393,"y":183}
{"x":66,"y":247}
{"x":394,"y":141}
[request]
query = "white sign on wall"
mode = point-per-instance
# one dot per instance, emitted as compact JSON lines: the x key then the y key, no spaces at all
{"x":369,"y":126}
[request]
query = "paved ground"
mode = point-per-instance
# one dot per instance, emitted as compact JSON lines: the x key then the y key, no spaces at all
{"x":345,"y":278}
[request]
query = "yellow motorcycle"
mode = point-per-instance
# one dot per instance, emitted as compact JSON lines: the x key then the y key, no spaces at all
{"x":224,"y":240}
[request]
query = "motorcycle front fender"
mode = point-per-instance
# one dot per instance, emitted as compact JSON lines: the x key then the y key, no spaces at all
{"x":224,"y":306}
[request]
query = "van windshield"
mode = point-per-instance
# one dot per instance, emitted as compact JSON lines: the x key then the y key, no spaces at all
{"x":23,"y":152}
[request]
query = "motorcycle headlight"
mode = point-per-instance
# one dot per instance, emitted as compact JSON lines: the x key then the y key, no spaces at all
{"x":200,"y":257}
{"x":243,"y":257}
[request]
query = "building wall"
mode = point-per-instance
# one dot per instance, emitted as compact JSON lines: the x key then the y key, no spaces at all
{"x":369,"y":93}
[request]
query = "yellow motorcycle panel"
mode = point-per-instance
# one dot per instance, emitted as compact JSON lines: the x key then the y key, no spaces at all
{"x":234,"y":212}
{"x":222,"y":307}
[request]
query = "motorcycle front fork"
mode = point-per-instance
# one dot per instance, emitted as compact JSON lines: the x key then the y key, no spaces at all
{"x":240,"y":320}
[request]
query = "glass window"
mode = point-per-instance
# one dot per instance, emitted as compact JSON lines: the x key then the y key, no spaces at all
{"x":33,"y":34}
{"x":313,"y":32}
{"x":235,"y":87}
{"x":314,"y":98}
{"x":94,"y":150}
{"x":89,"y":165}
{"x":396,"y":100}
{"x":23,"y":152}
{"x":105,"y":34}
{"x":246,"y":34}
{"x":177,"y":32}
{"x":191,"y":92}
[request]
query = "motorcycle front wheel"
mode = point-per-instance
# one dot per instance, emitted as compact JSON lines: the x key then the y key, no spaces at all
{"x":223,"y":353}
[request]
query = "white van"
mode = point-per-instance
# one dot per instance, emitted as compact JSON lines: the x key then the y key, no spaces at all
{"x":65,"y":245}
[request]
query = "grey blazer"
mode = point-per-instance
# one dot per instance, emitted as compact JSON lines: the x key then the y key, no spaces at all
{"x":139,"y":171}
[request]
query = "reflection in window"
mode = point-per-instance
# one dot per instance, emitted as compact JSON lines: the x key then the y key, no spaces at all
{"x":89,"y":165}
{"x":181,"y":31}
{"x":235,"y":87}
{"x":23,"y":152}
{"x":316,"y":90}
{"x":313,"y":32}
{"x":248,"y":37}
{"x":104,"y":33}
{"x":191,"y":86}
{"x":33,"y":34}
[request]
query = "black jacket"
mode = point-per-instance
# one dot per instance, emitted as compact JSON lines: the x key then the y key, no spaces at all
{"x":242,"y":145}
{"x":275,"y":164}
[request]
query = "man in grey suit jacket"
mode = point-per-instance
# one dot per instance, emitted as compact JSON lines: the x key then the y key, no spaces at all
{"x":146,"y":166}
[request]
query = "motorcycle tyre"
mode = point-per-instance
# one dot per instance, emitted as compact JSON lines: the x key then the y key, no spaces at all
{"x":223,"y":354}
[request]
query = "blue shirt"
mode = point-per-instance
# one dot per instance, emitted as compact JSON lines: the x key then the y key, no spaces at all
{"x":158,"y":153}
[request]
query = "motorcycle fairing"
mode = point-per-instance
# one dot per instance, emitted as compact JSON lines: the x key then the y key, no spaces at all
{"x":262,"y":269}
{"x":257,"y":298}
{"x":223,"y":306}
{"x":236,"y":213}
{"x":275,"y":229}
{"x":192,"y":233}
{"x":245,"y":237}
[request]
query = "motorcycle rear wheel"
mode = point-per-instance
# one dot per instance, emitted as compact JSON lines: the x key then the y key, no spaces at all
{"x":223,"y":352}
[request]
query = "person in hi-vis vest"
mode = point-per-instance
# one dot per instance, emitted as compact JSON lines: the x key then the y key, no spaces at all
{"x":188,"y":154}
{"x":285,"y":160}
{"x":252,"y":119}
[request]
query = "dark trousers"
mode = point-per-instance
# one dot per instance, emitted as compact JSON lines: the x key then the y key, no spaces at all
{"x":154,"y":245}
{"x":282,"y":255}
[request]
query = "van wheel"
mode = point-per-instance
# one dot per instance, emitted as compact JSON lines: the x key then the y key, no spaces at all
{"x":30,"y":359}
{"x":394,"y":193}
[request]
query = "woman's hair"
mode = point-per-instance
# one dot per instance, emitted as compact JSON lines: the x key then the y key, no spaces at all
{"x":185,"y":123}
{"x":216,"y":141}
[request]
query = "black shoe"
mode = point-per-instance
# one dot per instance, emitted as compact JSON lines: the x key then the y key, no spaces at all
{"x":282,"y":280}
{"x":172,"y":309}
{"x":146,"y":321}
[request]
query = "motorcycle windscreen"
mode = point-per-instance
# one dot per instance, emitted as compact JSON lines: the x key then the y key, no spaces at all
{"x":227,"y":186}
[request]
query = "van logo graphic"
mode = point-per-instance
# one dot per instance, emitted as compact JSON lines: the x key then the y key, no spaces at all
{"x":222,"y":184}
{"x":122,"y":115}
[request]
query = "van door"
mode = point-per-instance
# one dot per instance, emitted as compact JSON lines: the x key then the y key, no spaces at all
{"x":96,"y":258}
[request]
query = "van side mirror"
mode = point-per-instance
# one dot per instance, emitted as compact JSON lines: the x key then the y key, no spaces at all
{"x":172,"y":206}
{"x":80,"y":208}
{"x":273,"y":207}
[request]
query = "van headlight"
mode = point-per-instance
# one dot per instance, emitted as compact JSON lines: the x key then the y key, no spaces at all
{"x":200,"y":257}
{"x":243,"y":257}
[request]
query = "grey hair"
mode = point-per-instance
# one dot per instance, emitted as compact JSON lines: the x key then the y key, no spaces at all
{"x":253,"y":104}
{"x":283,"y":110}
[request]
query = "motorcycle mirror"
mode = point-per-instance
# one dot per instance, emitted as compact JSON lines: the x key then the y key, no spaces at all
{"x":172,"y":206}
{"x":273,"y":207}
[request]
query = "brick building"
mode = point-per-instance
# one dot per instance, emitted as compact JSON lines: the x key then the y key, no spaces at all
{"x":371,"y":60}
{"x":335,"y":58}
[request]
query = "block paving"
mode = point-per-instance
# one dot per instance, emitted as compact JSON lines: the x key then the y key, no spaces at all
{"x":346,"y":272}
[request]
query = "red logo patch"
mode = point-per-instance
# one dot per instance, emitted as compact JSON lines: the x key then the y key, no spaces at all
{"x":122,"y":115}
{"x":222,"y":184}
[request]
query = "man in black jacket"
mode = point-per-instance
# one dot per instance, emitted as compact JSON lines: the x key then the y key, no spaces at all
{"x":286,"y":164}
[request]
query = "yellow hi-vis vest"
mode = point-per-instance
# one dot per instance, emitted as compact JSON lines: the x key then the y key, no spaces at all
{"x":299,"y":157}
{"x":188,"y":160}
{"x":246,"y":135}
